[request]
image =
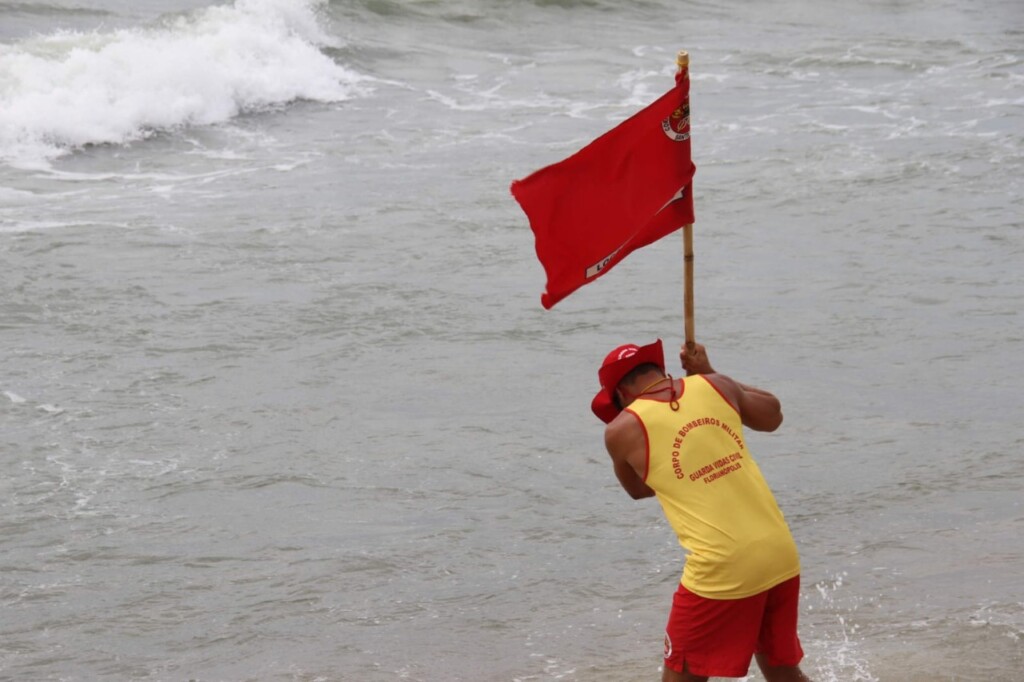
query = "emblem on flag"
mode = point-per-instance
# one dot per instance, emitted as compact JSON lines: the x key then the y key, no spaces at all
{"x":677,"y":124}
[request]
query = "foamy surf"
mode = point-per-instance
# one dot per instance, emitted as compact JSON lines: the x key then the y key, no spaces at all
{"x":63,"y":91}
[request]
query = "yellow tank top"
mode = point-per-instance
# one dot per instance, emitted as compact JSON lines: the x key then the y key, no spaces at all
{"x":714,"y":495}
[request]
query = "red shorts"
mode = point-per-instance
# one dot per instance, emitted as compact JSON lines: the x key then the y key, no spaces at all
{"x":718,"y":637}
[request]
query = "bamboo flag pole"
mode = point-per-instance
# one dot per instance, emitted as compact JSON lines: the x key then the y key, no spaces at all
{"x":683,"y":64}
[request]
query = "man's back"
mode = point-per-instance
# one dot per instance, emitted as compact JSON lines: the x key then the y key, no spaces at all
{"x":713,"y":494}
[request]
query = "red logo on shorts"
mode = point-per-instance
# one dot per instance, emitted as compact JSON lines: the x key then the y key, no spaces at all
{"x":668,"y":646}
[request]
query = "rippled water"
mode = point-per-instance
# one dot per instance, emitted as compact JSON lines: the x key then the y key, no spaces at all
{"x":278,"y":399}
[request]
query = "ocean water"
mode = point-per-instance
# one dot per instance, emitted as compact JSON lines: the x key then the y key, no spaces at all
{"x":278,"y":400}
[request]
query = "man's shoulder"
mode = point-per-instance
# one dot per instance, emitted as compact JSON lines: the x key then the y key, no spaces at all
{"x":625,"y":425}
{"x":725,"y":385}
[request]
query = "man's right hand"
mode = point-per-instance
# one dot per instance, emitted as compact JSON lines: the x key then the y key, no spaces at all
{"x":696,"y":362}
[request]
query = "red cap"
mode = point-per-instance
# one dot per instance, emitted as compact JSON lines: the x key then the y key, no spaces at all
{"x":618,"y":364}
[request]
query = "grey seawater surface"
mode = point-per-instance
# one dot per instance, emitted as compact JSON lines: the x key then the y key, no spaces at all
{"x":278,"y":400}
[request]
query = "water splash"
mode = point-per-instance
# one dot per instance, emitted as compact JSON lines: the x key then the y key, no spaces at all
{"x":63,"y":91}
{"x":837,"y":651}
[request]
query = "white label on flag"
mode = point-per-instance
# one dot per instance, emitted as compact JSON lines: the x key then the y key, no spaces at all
{"x":596,"y":269}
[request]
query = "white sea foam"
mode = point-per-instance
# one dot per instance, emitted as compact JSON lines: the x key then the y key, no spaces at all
{"x":62,"y":91}
{"x":15,"y":226}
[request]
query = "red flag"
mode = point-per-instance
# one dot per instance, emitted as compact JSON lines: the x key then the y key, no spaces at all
{"x":623,"y":191}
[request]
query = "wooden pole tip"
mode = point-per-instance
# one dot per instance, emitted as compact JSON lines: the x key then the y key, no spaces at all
{"x":682,"y":59}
